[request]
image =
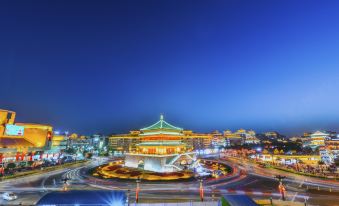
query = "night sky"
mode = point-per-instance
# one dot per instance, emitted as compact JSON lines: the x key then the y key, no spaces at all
{"x":113,"y":66}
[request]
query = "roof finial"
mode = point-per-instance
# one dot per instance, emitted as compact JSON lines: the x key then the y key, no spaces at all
{"x":161,"y":117}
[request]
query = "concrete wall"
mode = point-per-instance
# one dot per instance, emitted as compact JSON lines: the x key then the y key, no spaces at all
{"x":156,"y":164}
{"x":132,"y":160}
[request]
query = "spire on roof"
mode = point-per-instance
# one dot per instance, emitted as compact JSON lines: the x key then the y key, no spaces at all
{"x":161,"y":117}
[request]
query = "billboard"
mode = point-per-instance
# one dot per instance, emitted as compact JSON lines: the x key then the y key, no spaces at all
{"x":14,"y":130}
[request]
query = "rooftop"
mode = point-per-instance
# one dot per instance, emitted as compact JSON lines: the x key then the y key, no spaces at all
{"x":161,"y":127}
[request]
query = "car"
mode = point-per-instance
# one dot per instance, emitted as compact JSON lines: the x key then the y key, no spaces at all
{"x":9,"y":196}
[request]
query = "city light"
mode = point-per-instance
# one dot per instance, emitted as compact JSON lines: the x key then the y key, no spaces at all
{"x":190,"y":103}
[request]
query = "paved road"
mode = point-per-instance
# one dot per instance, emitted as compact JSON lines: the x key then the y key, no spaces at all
{"x":256,"y":182}
{"x":258,"y":178}
{"x":31,"y":188}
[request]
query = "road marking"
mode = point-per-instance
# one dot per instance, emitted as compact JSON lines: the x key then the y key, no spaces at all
{"x":43,"y":182}
{"x":294,"y":196}
{"x":251,"y":182}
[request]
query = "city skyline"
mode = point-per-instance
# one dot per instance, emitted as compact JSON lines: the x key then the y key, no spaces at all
{"x":170,"y":102}
{"x":266,"y":66}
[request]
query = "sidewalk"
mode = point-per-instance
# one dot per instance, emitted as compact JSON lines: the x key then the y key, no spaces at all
{"x":266,"y":202}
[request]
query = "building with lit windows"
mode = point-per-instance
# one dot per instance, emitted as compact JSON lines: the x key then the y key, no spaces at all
{"x":317,"y":139}
{"x":59,"y":142}
{"x":127,"y":143}
{"x":241,"y":137}
{"x":312,"y":160}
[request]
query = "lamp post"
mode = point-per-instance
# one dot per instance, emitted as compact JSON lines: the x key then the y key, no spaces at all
{"x":128,"y":196}
{"x":213,"y":193}
{"x":137,"y":190}
{"x":201,"y":189}
{"x":65,"y":184}
{"x":281,"y":186}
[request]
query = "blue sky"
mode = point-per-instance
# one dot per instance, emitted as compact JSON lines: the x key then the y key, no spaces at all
{"x":112,"y":66}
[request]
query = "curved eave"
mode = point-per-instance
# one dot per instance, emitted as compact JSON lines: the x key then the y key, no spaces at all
{"x":149,"y":133}
{"x":161,"y":124}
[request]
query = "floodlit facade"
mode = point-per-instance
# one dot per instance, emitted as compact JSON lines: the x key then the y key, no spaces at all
{"x":24,"y":141}
{"x":289,"y":159}
{"x":127,"y":143}
{"x":160,"y":149}
{"x":317,"y":139}
{"x":241,"y":137}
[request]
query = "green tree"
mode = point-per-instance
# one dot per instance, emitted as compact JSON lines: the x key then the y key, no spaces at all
{"x":70,"y":150}
{"x":11,"y":165}
{"x":265,"y":151}
{"x":336,"y":162}
{"x":30,"y":163}
{"x":276,"y":151}
{"x":320,"y":162}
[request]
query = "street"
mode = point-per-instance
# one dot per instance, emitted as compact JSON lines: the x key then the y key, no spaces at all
{"x":255,"y":182}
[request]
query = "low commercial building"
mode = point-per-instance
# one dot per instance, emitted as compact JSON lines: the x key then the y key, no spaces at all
{"x":241,"y":137}
{"x":289,"y":159}
{"x":23,"y":141}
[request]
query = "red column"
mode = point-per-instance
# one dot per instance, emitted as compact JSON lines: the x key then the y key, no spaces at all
{"x":22,"y":156}
{"x":31,"y":156}
{"x":17,"y":156}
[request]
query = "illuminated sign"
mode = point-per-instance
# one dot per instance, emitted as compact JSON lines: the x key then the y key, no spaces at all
{"x":14,"y":130}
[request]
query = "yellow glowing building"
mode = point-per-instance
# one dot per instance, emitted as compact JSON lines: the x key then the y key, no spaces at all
{"x":22,"y":141}
{"x":317,"y":139}
{"x":291,"y":159}
{"x":128,"y":143}
{"x":161,"y":149}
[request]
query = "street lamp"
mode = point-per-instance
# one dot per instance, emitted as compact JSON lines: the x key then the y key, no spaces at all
{"x":201,"y":189}
{"x":213,"y":193}
{"x":65,"y":183}
{"x":128,"y":196}
{"x":281,"y":186}
{"x":138,"y":180}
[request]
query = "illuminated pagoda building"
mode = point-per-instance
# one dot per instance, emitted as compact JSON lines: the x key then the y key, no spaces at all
{"x":317,"y":139}
{"x":161,"y":149}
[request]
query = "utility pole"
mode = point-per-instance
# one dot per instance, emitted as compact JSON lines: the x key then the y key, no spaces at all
{"x":281,"y":186}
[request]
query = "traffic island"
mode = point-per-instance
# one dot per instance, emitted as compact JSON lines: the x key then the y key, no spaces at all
{"x":117,"y":171}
